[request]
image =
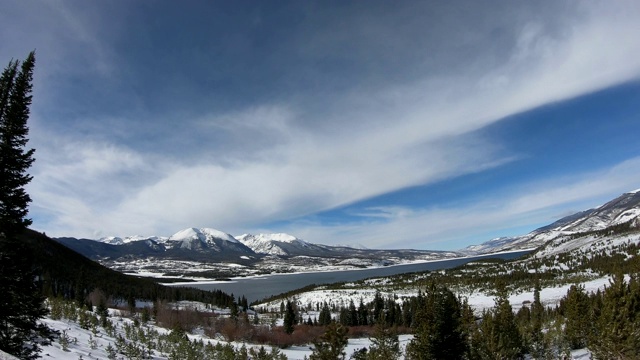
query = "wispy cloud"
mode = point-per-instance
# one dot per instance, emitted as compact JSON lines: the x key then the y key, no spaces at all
{"x":288,"y":155}
{"x":501,"y":213}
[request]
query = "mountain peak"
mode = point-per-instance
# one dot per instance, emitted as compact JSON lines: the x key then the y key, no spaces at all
{"x":202,"y":234}
{"x":273,"y":244}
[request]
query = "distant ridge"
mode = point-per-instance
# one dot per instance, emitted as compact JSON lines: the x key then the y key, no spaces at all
{"x":623,"y":209}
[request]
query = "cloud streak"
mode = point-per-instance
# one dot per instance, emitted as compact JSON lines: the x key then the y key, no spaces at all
{"x":457,"y":226}
{"x":287,"y":156}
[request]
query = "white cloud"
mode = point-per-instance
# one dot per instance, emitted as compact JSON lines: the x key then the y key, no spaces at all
{"x":281,"y":161}
{"x":455,"y":227}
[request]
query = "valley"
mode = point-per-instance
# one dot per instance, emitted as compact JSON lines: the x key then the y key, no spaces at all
{"x":585,"y":263}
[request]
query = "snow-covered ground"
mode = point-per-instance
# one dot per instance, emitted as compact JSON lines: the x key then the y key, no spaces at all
{"x":86,"y":345}
{"x":478,"y":300}
{"x":83,"y":344}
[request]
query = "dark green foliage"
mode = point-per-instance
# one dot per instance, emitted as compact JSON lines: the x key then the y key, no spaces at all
{"x":384,"y":344}
{"x":15,"y":99}
{"x":535,"y":337}
{"x":498,"y":336}
{"x":325,"y":315}
{"x":21,"y":303}
{"x":289,"y":318}
{"x":262,"y":354}
{"x":378,"y":308}
{"x":439,"y":328}
{"x":363,"y":314}
{"x":617,"y":333}
{"x":575,"y":308}
{"x":331,"y":344}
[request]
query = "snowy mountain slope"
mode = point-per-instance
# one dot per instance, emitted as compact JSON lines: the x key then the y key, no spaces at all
{"x":208,"y":245}
{"x":280,"y":244}
{"x":114,"y":240}
{"x":620,"y":210}
{"x":205,"y":239}
{"x":250,"y":254}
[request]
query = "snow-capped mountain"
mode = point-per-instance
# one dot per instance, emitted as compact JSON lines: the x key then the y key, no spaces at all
{"x":204,"y":239}
{"x":263,"y":252}
{"x":114,"y":240}
{"x":275,"y":244}
{"x":623,"y":209}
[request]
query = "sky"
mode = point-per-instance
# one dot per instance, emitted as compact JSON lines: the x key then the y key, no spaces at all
{"x":411,"y":124}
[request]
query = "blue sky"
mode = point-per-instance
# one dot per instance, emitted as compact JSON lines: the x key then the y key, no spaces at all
{"x":414,"y":124}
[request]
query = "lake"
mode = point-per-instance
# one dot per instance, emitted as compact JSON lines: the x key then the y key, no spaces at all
{"x":260,"y":287}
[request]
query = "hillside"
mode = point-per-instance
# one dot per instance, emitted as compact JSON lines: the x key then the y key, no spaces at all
{"x":66,"y":273}
{"x":623,"y":209}
{"x":210,"y":253}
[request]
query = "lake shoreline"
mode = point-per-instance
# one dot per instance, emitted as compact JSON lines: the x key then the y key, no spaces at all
{"x":263,"y":286}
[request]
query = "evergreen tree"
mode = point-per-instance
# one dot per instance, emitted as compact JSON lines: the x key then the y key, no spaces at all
{"x":384,"y":344}
{"x":330,"y":346}
{"x":617,"y":333}
{"x":536,"y":337}
{"x":439,"y":330}
{"x":363,"y":314}
{"x":498,"y":336}
{"x":289,"y":318}
{"x":15,"y":97}
{"x":21,"y":305}
{"x":353,"y":314}
{"x":325,"y":315}
{"x":575,"y":306}
{"x":378,"y":307}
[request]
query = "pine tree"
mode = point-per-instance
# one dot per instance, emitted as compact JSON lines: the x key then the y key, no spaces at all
{"x":378,"y":307}
{"x":353,"y":314}
{"x":21,"y":303}
{"x":536,"y":336}
{"x":384,"y":344}
{"x":440,"y":332}
{"x":325,"y":315}
{"x":577,"y":323}
{"x":289,"y":318}
{"x":330,"y":346}
{"x":498,"y":336}
{"x":15,"y":92}
{"x":618,"y":327}
{"x":363,"y":313}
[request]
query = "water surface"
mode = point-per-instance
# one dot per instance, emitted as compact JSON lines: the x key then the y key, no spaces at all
{"x":257,"y":288}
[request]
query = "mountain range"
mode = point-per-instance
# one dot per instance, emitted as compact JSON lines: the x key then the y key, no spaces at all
{"x":284,"y":252}
{"x":621,"y":210}
{"x":211,"y":245}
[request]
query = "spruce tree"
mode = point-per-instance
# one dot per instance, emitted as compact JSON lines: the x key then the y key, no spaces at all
{"x":617,"y":333}
{"x":289,"y":318}
{"x":536,"y":337}
{"x":21,"y":303}
{"x":325,"y":315}
{"x":330,"y":346}
{"x":498,"y":336}
{"x":440,"y":333}
{"x":15,"y":92}
{"x":509,"y":339}
{"x":385,"y":344}
{"x":575,"y":307}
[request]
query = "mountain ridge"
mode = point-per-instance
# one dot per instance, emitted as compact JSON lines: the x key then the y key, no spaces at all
{"x":625,"y":208}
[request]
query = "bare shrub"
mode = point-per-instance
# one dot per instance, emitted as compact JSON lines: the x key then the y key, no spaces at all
{"x":186,"y":319}
{"x":96,"y":297}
